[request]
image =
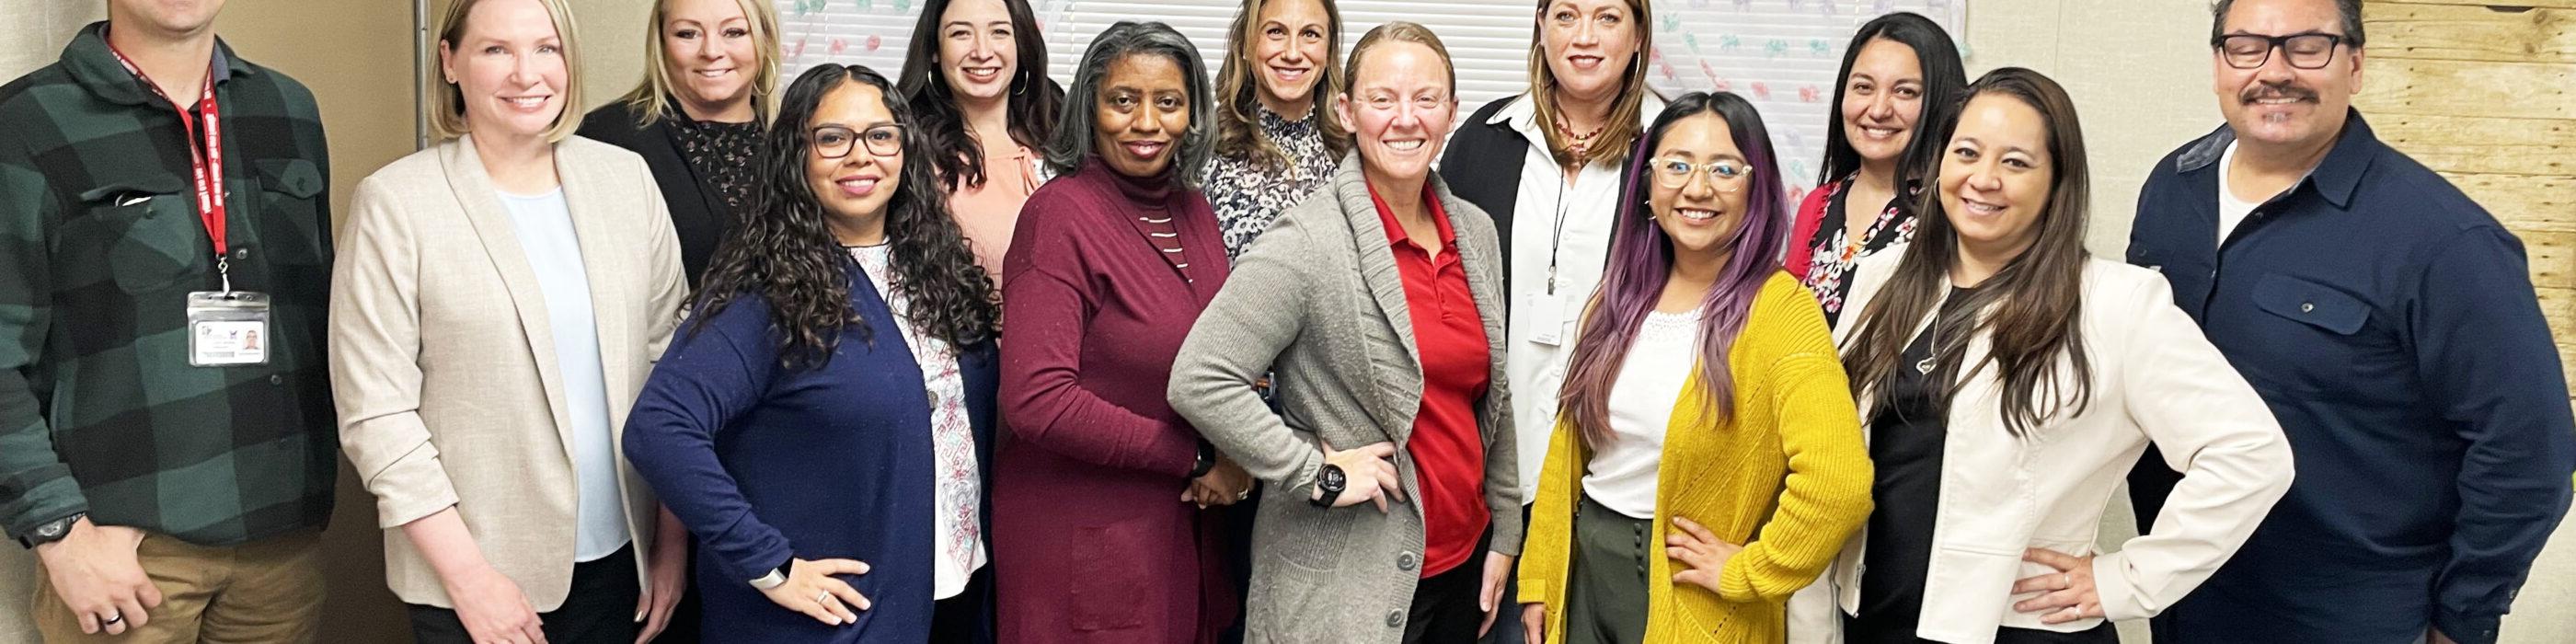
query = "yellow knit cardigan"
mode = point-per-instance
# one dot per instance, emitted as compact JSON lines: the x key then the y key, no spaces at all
{"x":1788,"y":477}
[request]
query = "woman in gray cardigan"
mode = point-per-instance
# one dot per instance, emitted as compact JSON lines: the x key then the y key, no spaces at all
{"x":1395,"y":511}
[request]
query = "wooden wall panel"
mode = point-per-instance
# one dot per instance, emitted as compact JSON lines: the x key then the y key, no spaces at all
{"x":2462,"y":144}
{"x":2472,"y":32}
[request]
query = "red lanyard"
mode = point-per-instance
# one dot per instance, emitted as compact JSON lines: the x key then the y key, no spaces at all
{"x":207,"y":166}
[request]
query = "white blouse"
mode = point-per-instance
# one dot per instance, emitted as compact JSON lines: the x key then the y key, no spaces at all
{"x":1621,"y":475}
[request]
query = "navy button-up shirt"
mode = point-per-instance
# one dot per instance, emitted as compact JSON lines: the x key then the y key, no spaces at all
{"x":2391,"y":325}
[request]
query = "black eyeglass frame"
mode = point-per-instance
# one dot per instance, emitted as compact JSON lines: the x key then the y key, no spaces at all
{"x":2281,"y":44}
{"x":858,"y":139}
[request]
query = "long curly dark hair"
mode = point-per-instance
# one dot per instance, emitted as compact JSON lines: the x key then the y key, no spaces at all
{"x":1034,"y":101}
{"x":785,"y":252}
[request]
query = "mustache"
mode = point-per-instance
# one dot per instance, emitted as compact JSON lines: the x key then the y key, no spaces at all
{"x":2277,"y":90}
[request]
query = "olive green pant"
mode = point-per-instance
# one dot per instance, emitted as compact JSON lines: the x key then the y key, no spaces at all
{"x":1605,"y":593}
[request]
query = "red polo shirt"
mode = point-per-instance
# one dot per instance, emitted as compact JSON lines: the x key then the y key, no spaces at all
{"x":1448,"y":451}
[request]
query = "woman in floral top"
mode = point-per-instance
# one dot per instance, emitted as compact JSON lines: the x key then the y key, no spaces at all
{"x":1276,"y":137}
{"x":1899,"y":75}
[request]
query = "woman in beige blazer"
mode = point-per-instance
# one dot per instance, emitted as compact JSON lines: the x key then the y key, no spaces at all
{"x":498,"y":302}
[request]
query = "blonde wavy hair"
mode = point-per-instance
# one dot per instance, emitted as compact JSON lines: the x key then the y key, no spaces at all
{"x":652,"y":97}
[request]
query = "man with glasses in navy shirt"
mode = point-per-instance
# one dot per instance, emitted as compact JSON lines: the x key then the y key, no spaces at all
{"x":2391,"y":325}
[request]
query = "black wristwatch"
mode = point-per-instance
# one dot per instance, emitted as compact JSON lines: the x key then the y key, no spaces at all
{"x":1330,"y":481}
{"x":1207,"y":460}
{"x":50,"y":531}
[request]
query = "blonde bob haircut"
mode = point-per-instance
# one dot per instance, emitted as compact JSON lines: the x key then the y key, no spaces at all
{"x":653,"y":97}
{"x":448,"y":117}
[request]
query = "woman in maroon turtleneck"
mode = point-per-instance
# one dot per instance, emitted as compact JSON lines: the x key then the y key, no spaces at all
{"x":1101,"y":527}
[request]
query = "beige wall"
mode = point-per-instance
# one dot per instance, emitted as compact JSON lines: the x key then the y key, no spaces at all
{"x":356,"y":57}
{"x":2139,"y":74}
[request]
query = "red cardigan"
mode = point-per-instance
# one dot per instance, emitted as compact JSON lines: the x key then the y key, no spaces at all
{"x":1091,"y":542}
{"x":1802,"y":232}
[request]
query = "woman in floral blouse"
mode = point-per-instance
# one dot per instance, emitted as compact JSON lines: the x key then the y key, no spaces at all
{"x":1276,"y":137}
{"x":1899,"y":75}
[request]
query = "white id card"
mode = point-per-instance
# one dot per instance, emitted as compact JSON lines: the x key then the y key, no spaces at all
{"x":1547,"y":319}
{"x":228,"y":328}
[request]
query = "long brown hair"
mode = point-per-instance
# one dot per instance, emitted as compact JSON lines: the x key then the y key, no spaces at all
{"x":2029,"y":308}
{"x":1238,"y":124}
{"x":1625,"y":122}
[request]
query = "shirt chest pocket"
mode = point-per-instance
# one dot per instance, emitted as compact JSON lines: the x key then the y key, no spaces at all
{"x":2312,"y":304}
{"x":290,"y":226}
{"x":145,"y":228}
{"x":2318,"y":337}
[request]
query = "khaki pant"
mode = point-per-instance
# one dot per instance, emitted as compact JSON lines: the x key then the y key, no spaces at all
{"x":267,"y":591}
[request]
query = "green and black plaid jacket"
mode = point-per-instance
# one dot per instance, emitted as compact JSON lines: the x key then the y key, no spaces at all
{"x":100,"y":244}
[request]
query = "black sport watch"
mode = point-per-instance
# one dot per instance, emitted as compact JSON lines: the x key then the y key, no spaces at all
{"x":1330,"y":481}
{"x":50,"y":531}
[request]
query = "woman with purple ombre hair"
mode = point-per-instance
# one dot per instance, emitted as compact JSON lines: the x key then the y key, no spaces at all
{"x":1704,"y":408}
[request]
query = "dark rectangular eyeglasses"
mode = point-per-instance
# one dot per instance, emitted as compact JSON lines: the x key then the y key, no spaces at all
{"x":2309,"y":50}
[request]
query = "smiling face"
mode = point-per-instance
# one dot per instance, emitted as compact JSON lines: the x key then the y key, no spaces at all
{"x":1589,"y":45}
{"x":708,"y":50}
{"x":1144,"y":107}
{"x":509,"y":67}
{"x":1996,"y":175}
{"x":1882,"y":100}
{"x":1399,"y":107}
{"x":1291,"y":44}
{"x":1703,"y":211}
{"x":977,"y":51}
{"x":855,"y":187}
{"x":2276,"y":104}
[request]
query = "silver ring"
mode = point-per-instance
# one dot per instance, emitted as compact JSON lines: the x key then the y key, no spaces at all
{"x":2065,"y":582}
{"x":112,"y":617}
{"x":825,"y":595}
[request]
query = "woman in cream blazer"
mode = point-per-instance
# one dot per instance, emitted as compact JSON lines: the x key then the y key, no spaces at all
{"x":498,"y":302}
{"x":1988,"y":502}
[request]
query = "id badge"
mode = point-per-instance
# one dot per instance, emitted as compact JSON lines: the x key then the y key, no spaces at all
{"x":228,"y":328}
{"x":1547,"y":319}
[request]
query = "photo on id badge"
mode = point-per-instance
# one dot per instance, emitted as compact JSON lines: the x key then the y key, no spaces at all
{"x":227,"y":328}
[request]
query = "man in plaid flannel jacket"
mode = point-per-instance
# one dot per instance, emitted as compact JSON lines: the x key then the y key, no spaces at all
{"x":172,"y":501}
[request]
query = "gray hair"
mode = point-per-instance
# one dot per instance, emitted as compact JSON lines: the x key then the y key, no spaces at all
{"x":1078,"y":123}
{"x":2350,"y":10}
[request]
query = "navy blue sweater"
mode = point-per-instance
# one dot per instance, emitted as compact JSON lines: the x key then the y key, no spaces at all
{"x":2391,"y":325}
{"x":765,"y":463}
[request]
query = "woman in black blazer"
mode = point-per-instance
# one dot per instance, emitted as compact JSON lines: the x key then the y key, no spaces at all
{"x":698,"y":115}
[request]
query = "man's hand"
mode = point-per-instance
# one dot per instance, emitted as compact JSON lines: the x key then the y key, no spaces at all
{"x":95,"y":572}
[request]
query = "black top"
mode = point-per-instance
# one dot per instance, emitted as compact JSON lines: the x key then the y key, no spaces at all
{"x":697,"y":200}
{"x":1905,"y":441}
{"x":1482,"y":166}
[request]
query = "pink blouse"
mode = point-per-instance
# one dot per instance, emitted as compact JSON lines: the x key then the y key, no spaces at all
{"x":988,"y":212}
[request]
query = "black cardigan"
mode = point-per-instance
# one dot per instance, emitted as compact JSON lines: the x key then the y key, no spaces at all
{"x":1483,"y":166}
{"x":698,"y":212}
